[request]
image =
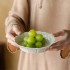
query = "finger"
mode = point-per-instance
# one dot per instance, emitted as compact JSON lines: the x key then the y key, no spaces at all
{"x":58,"y":45}
{"x":67,"y":31}
{"x":13,"y":43}
{"x":57,"y":48}
{"x":55,"y":44}
{"x":68,"y":34}
{"x":61,"y":33}
{"x":52,"y":49}
{"x":10,"y":36}
{"x":17,"y":29}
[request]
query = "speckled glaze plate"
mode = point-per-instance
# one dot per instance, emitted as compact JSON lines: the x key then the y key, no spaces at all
{"x":49,"y":39}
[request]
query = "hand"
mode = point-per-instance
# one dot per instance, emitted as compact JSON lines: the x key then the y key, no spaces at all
{"x":12,"y":31}
{"x":63,"y":43}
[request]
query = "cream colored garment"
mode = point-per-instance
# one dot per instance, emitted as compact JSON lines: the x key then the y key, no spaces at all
{"x":44,"y":15}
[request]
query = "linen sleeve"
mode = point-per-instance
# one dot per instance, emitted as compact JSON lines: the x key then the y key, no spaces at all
{"x":18,"y":14}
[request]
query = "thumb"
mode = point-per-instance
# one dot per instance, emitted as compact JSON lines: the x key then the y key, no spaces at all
{"x":18,"y":29}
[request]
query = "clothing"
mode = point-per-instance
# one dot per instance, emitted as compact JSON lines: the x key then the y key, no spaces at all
{"x":43,"y":15}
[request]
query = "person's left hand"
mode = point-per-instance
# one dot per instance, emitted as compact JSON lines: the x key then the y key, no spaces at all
{"x":63,"y":43}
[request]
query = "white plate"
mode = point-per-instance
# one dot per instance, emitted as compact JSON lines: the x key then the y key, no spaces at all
{"x":49,"y":37}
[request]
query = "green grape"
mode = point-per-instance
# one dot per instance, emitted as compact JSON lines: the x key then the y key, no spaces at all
{"x":32,"y":33}
{"x":31,"y":40}
{"x":38,"y":44}
{"x":29,"y":45}
{"x":39,"y":37}
{"x":24,"y":43}
{"x":25,"y":38}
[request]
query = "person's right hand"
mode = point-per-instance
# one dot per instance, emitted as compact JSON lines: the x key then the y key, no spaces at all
{"x":13,"y":30}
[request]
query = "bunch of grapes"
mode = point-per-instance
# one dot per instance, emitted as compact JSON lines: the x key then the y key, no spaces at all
{"x":33,"y":40}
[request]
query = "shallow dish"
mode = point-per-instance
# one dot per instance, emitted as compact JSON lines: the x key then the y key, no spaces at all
{"x":49,"y":39}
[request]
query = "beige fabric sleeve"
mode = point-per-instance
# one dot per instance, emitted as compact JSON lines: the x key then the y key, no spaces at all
{"x":18,"y":13}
